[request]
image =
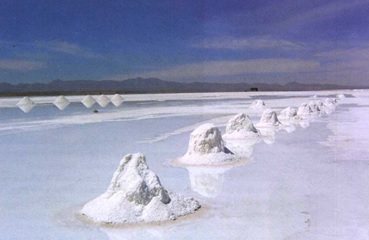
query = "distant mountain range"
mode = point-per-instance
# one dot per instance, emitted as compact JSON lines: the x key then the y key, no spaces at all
{"x":150,"y":85}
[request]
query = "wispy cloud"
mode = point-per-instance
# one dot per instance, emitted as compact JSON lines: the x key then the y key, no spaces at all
{"x":248,"y":43}
{"x":322,"y":12}
{"x":346,"y":59}
{"x":21,"y":65}
{"x":345,"y":65}
{"x":67,"y":48}
{"x":227,"y":68}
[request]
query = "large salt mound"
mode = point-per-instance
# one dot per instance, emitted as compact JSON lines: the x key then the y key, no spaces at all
{"x":288,"y":113}
{"x":269,"y":119}
{"x":257,"y":105}
{"x":136,"y":195}
{"x":206,"y":147}
{"x":239,"y":127}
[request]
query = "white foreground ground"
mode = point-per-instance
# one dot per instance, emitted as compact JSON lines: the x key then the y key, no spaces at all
{"x":305,"y":183}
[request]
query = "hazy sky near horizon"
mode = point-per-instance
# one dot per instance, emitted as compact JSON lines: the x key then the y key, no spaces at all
{"x":308,"y":41}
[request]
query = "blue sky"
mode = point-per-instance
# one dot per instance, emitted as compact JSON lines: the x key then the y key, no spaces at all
{"x":307,"y":41}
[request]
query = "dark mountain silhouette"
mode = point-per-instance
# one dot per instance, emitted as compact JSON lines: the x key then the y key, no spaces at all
{"x":149,"y":85}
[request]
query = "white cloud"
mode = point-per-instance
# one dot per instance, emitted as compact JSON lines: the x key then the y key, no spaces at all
{"x":345,"y":66}
{"x":340,"y":60}
{"x":68,"y":48}
{"x":21,"y":65}
{"x":248,"y":43}
{"x":346,"y":54}
{"x":227,"y":68}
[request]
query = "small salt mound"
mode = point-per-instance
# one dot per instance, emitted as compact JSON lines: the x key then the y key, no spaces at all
{"x":257,"y":105}
{"x":26,"y":104}
{"x":314,"y":107}
{"x":340,"y":96}
{"x":329,"y":103}
{"x":136,"y":195}
{"x":288,"y":113}
{"x":269,"y":119}
{"x":206,"y":147}
{"x":239,"y":127}
{"x":304,"y":110}
{"x":103,"y":100}
{"x":117,"y":100}
{"x":61,"y":102}
{"x":320,"y":105}
{"x":88,"y":101}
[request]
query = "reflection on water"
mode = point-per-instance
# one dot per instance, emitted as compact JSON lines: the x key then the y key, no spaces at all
{"x":328,"y":110}
{"x":304,"y":123}
{"x":116,"y":233}
{"x":242,"y":147}
{"x":288,"y":126}
{"x":268,"y":134}
{"x":207,"y":181}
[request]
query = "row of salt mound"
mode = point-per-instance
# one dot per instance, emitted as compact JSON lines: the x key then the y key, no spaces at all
{"x":306,"y":110}
{"x":26,"y":104}
{"x":206,"y":145}
{"x":136,"y":194}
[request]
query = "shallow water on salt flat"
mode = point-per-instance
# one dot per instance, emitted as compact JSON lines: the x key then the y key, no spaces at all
{"x":308,"y":184}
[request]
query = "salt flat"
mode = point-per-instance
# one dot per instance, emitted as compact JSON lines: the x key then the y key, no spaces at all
{"x":308,"y":183}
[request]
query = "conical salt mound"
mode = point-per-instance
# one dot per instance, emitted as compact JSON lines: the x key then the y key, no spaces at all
{"x":206,"y":147}
{"x":240,"y":127}
{"x":117,"y":100}
{"x":314,"y":107}
{"x":61,"y":102}
{"x":257,"y":105}
{"x":136,"y":195}
{"x":269,"y":119}
{"x":88,"y":101}
{"x":26,"y":104}
{"x":329,"y":105}
{"x":288,"y":113}
{"x":304,"y":110}
{"x":103,"y":100}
